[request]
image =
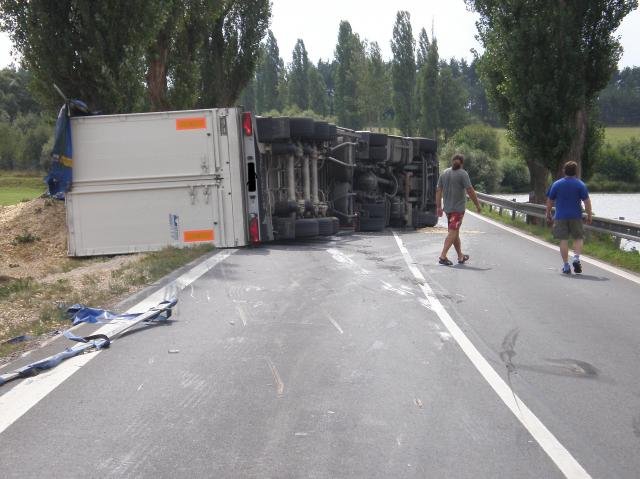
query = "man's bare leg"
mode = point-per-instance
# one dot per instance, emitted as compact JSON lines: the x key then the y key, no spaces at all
{"x":448,"y":241}
{"x":564,"y":250}
{"x":458,"y":245}
{"x":577,"y":246}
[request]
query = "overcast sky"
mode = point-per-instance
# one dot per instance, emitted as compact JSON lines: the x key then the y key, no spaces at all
{"x":317,"y":24}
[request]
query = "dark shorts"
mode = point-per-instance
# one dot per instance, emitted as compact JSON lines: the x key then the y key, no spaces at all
{"x":454,"y":220}
{"x":564,"y":229}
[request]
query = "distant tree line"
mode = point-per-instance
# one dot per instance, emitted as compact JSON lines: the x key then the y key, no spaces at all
{"x":619,"y":102}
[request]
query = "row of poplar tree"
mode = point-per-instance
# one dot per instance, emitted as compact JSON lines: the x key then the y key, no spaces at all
{"x":414,"y":93}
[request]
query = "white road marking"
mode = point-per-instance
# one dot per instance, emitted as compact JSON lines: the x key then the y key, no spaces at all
{"x":334,"y":322}
{"x":584,"y":258}
{"x":342,"y":258}
{"x":18,"y":400}
{"x":554,"y":449}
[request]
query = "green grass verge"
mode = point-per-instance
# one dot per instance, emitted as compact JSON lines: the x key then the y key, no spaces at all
{"x":17,"y":186}
{"x":620,"y":134}
{"x":50,"y":301}
{"x":596,"y":245}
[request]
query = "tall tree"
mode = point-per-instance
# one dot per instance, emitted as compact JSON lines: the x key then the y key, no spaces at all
{"x":318,"y":98}
{"x":347,"y":54}
{"x":376,"y":87}
{"x":423,"y":49}
{"x":269,"y":76}
{"x":452,"y":100}
{"x":299,"y":77}
{"x":231,"y":49}
{"x":430,"y":92}
{"x":92,"y":50}
{"x":404,"y":72}
{"x":544,"y":64}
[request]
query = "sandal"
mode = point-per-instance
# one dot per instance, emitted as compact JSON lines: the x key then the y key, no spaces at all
{"x":445,"y":261}
{"x":465,"y":258}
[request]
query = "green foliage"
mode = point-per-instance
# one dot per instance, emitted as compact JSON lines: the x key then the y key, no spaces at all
{"x":452,"y":114}
{"x":479,"y":145}
{"x":91,"y":50}
{"x":429,"y":94}
{"x":375,"y":89}
{"x":619,"y":102}
{"x":318,"y":97}
{"x":299,"y":77}
{"x":480,"y":137}
{"x":269,"y":76}
{"x":231,"y":50}
{"x":543,"y":66}
{"x":515,"y":176}
{"x":619,"y":162}
{"x":403,"y":68}
{"x":348,"y":56}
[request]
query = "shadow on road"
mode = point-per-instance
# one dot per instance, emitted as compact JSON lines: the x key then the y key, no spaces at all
{"x":588,"y":277}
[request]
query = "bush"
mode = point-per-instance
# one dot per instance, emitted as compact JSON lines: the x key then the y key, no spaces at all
{"x":618,"y":162}
{"x":515,"y":176}
{"x":480,"y":147}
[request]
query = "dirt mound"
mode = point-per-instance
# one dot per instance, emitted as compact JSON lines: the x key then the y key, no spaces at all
{"x":33,"y":238}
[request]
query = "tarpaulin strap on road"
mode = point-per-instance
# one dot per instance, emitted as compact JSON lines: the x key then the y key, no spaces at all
{"x":160,"y":312}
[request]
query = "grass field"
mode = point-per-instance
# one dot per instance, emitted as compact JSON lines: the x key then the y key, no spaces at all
{"x":612,"y":134}
{"x":18,"y":186}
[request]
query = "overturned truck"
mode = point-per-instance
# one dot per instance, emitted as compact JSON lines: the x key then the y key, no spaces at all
{"x":144,"y":181}
{"x":316,"y":174}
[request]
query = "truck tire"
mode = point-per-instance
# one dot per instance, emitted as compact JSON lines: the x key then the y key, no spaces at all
{"x":321,"y":131}
{"x":325,"y":226}
{"x":335,"y":225}
{"x":427,"y":145}
{"x":425,"y":218}
{"x":301,"y":127}
{"x":375,"y":210}
{"x":273,"y":129}
{"x":372,"y":224}
{"x":307,"y":228}
{"x":377,"y":139}
{"x":378,"y":153}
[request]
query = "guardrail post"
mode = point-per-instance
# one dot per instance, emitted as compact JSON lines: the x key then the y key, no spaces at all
{"x":513,"y":211}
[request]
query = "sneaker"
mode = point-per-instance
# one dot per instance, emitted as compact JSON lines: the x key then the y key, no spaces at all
{"x":566,"y":269}
{"x":577,"y":267}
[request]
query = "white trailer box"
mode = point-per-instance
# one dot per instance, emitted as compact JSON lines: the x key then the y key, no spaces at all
{"x":145,"y":181}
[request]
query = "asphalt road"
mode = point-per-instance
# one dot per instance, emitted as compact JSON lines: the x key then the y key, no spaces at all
{"x":328,"y":359}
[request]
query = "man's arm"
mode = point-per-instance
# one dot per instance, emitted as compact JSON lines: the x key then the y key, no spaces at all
{"x":549,"y":205}
{"x":472,"y":194}
{"x":587,"y":207}
{"x":439,"y":201}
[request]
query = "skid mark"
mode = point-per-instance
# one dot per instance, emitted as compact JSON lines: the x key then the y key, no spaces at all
{"x":276,"y":377}
{"x":343,"y":259}
{"x":402,"y":290}
{"x":334,"y":322}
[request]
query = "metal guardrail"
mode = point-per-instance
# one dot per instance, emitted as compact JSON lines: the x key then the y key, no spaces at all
{"x":617,"y":228}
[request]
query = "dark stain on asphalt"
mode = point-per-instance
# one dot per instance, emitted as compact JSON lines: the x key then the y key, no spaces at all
{"x":508,"y":349}
{"x":575,"y":367}
{"x":636,"y":426}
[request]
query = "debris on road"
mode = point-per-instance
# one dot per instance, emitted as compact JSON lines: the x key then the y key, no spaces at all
{"x":160,"y":312}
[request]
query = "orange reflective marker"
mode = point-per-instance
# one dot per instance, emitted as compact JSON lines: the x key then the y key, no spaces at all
{"x":196,"y":123}
{"x":193,"y":236}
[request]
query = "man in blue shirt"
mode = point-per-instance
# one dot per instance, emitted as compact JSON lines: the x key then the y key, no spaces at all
{"x":567,"y":194}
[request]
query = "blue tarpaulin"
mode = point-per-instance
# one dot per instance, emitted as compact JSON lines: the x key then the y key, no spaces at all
{"x":60,"y":174}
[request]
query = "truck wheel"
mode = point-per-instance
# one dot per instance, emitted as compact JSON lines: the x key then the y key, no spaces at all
{"x":335,"y":225}
{"x":375,"y":210}
{"x":307,"y":228}
{"x":372,"y":224}
{"x":378,"y":153}
{"x":427,"y":145}
{"x":301,"y":127}
{"x":377,"y":139}
{"x":321,"y":131}
{"x":325,"y":226}
{"x":273,"y":129}
{"x":425,"y":218}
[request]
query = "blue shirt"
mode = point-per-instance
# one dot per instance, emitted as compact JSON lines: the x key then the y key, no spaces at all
{"x":568,"y":193}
